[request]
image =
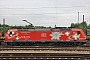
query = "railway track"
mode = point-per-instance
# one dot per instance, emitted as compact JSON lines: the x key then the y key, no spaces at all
{"x":44,"y":53}
{"x":41,"y":49}
{"x":45,"y":48}
{"x":46,"y":56}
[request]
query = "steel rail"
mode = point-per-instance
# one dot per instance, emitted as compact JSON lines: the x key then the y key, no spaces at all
{"x":45,"y":56}
{"x":56,"y":49}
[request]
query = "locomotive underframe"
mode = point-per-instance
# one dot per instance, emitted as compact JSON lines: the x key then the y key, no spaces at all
{"x":45,"y":42}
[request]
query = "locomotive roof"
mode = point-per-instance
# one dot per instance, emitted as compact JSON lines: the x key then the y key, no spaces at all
{"x":47,"y":29}
{"x":44,"y":29}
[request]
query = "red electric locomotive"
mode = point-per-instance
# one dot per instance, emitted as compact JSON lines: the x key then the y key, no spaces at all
{"x":55,"y":36}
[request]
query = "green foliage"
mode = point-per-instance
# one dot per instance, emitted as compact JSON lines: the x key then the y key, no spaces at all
{"x":88,"y":37}
{"x":4,"y":28}
{"x":82,"y":25}
{"x":88,"y":27}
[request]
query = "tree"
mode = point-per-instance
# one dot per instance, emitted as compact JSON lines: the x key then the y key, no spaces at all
{"x":82,"y":25}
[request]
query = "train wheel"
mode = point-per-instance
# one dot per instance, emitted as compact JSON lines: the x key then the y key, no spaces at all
{"x":79,"y":44}
{"x":71,"y":44}
{"x":8,"y":43}
{"x":75,"y":44}
{"x":13,"y":44}
{"x":21,"y":44}
{"x":60,"y":44}
{"x":16,"y":44}
{"x":27,"y":44}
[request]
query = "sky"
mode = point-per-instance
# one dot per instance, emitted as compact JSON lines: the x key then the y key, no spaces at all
{"x":44,"y":12}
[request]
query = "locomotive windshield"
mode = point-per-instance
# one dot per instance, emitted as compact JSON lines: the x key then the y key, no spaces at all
{"x":10,"y":32}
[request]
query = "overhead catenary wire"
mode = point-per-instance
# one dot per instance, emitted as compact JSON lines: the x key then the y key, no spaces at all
{"x":47,"y":7}
{"x":40,"y":8}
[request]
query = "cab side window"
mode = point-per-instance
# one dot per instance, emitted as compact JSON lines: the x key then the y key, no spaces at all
{"x":78,"y":32}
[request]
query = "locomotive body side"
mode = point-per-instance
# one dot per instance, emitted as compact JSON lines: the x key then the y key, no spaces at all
{"x":45,"y":36}
{"x":0,"y":34}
